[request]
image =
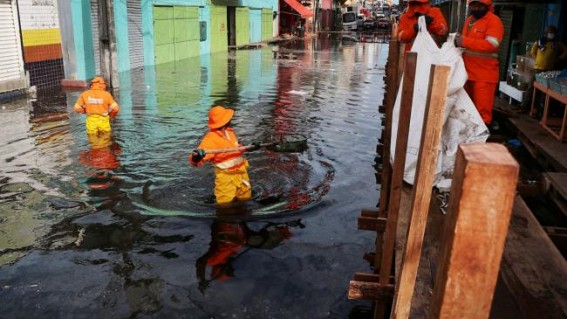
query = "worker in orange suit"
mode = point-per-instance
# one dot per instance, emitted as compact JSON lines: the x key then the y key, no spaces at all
{"x":408,"y":26}
{"x":481,"y":37}
{"x":231,"y":181}
{"x":99,"y":106}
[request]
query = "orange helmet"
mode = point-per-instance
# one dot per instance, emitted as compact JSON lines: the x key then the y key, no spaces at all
{"x":485,"y":2}
{"x":422,"y":1}
{"x":98,"y":82}
{"x":219,"y":116}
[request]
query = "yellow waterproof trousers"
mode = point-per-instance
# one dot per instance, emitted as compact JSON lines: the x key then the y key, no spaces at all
{"x":232,"y":184}
{"x":98,"y":124}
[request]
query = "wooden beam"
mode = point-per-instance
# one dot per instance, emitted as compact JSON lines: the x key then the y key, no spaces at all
{"x":377,"y":224}
{"x":362,"y":276}
{"x":426,"y":163}
{"x":532,"y":267}
{"x":398,"y":166}
{"x":482,"y":196}
{"x":364,"y":290}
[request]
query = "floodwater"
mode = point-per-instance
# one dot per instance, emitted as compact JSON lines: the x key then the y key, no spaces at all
{"x":122,"y":226}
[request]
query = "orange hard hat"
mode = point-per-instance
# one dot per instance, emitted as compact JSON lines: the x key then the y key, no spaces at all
{"x":219,"y":116}
{"x":98,"y":82}
{"x":422,"y":1}
{"x":485,"y":2}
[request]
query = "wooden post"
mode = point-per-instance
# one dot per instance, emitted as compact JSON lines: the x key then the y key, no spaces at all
{"x":427,"y":159}
{"x":386,"y":134}
{"x":398,"y":167}
{"x":482,"y":196}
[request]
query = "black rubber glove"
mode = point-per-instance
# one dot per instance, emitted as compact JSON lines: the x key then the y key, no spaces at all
{"x":416,"y":27}
{"x":428,"y":19}
{"x":198,"y":155}
{"x":254,"y":146}
{"x":458,"y":40}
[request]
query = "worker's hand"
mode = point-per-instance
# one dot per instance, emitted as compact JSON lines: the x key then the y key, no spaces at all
{"x":254,"y":146}
{"x":197,"y":155}
{"x":416,"y":27}
{"x":458,"y":40}
{"x":428,"y":19}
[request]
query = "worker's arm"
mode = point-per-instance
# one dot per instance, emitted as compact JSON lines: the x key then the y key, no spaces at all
{"x":491,"y":42}
{"x":79,"y":106}
{"x":406,"y":31}
{"x":438,"y":25}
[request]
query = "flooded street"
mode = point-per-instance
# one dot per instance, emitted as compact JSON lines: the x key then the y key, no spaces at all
{"x":124,"y":227}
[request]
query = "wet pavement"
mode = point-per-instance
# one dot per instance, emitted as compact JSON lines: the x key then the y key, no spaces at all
{"x":123,"y":226}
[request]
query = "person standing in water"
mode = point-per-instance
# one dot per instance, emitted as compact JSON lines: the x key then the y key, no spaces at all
{"x":99,"y":106}
{"x":231,"y":177}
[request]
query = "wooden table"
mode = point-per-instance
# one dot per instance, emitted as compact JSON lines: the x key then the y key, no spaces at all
{"x":554,"y":126}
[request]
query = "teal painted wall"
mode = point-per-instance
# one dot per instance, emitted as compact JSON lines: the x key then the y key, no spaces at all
{"x":255,"y":25}
{"x":121,"y":33}
{"x":83,"y":36}
{"x":205,"y":16}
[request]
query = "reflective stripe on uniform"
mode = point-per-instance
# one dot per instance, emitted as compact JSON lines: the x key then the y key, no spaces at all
{"x":493,"y":41}
{"x":481,"y":55}
{"x":230,"y":163}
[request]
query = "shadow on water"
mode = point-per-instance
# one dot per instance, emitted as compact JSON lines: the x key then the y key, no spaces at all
{"x":125,"y":227}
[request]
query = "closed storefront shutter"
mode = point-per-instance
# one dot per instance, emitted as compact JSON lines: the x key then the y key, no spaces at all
{"x":219,"y":31}
{"x":96,"y":35}
{"x":255,"y":25}
{"x":242,"y":26}
{"x":11,"y":65}
{"x":135,"y":36}
{"x":176,"y":33}
{"x":267,"y":25}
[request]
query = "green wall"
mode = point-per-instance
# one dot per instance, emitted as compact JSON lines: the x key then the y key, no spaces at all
{"x":176,"y":30}
{"x":219,"y":31}
{"x":242,"y":26}
{"x":267,"y":25}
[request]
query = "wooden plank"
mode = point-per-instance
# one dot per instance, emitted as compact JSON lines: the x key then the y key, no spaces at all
{"x":558,"y":236}
{"x":427,"y":159}
{"x":533,"y":268}
{"x":362,"y":276}
{"x":376,"y":224}
{"x":549,"y":152}
{"x":398,"y":167}
{"x":556,"y":188}
{"x":482,"y":195}
{"x":363,"y":290}
{"x":392,"y":87}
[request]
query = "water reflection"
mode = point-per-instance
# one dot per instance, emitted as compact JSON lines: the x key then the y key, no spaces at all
{"x":101,"y":161}
{"x":116,"y":209}
{"x":230,"y":241}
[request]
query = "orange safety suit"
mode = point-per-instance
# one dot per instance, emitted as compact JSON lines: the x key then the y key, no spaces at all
{"x":231,"y":179}
{"x":481,"y":40}
{"x":406,"y":30}
{"x":98,"y":105}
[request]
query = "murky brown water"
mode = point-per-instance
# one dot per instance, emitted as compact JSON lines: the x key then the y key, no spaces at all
{"x":124,"y":227}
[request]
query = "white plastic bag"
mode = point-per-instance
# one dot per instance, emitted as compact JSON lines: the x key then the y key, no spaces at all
{"x":463,"y":123}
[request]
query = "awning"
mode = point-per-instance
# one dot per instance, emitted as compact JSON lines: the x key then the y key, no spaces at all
{"x":302,"y":10}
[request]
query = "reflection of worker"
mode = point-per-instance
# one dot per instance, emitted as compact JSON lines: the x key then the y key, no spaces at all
{"x":229,"y":238}
{"x":102,"y":159}
{"x":232,"y":181}
{"x":98,"y":105}
{"x":408,"y":26}
{"x":481,"y":37}
{"x":548,"y":51}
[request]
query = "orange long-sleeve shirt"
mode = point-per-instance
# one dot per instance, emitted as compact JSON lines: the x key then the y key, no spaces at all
{"x":481,"y":39}
{"x":217,"y":139}
{"x":406,"y":30}
{"x":96,"y":101}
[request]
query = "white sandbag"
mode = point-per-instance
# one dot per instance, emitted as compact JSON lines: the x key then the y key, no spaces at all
{"x":462,"y":124}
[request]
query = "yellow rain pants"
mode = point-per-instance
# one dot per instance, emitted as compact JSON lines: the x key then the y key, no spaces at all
{"x":232,"y":184}
{"x":98,"y":124}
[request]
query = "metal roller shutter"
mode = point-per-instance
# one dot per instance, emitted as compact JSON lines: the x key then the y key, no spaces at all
{"x":11,"y":63}
{"x":135,"y":36}
{"x":96,"y":35}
